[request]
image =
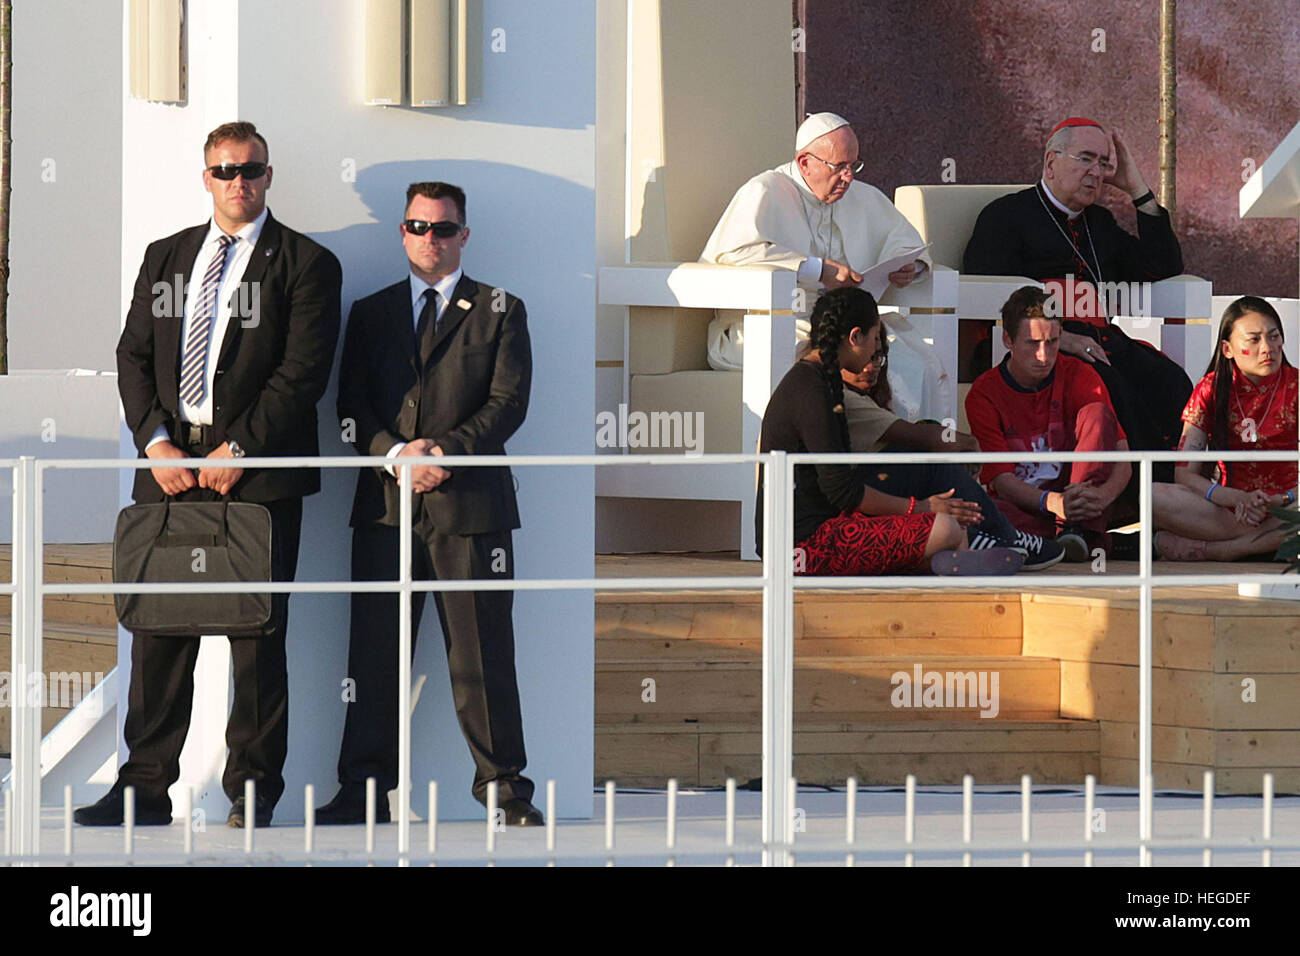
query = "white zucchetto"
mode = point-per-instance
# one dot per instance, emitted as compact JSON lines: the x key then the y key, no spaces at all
{"x":817,"y":125}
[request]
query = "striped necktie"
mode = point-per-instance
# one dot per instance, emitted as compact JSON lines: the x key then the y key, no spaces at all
{"x":194,"y":363}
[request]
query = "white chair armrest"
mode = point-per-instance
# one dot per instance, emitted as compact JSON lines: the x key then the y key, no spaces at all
{"x":937,"y":289}
{"x":698,"y":285}
{"x":981,"y":297}
{"x":1181,"y":297}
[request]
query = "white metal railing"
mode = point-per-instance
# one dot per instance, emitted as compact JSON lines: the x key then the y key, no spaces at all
{"x":476,"y":844}
{"x":777,"y":584}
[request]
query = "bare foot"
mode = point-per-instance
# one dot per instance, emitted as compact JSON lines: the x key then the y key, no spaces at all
{"x":1174,"y":547}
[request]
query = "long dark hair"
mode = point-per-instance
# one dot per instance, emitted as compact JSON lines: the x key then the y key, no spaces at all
{"x":836,"y":314}
{"x":1221,"y":365}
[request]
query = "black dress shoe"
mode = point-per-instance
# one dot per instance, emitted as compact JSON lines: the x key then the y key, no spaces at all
{"x":349,"y":806}
{"x":110,"y":811}
{"x":520,"y":813}
{"x":239,"y":813}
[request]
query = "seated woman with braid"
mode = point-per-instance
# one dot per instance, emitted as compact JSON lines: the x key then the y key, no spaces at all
{"x":1246,"y":401}
{"x":842,"y":526}
{"x":873,"y":427}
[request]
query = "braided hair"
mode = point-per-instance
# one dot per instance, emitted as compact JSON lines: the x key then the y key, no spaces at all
{"x":836,"y":314}
{"x":1221,"y":365}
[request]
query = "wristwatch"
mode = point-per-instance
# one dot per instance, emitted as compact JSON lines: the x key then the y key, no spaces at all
{"x":235,"y":450}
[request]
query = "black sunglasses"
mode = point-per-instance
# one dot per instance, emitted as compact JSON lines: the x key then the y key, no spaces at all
{"x":443,"y":230}
{"x":228,"y":171}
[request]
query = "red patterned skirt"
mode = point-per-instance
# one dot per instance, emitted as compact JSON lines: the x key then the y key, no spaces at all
{"x":858,"y":545}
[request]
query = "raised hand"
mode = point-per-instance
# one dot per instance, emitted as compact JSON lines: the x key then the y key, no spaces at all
{"x":1126,"y":176}
{"x":220,"y":480}
{"x":903,"y":276}
{"x":171,"y":480}
{"x":965,"y":512}
{"x":423,"y":477}
{"x":836,"y":275}
{"x":1082,"y":502}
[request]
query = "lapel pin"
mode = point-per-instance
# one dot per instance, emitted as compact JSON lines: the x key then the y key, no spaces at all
{"x":463,"y":303}
{"x":269,"y":251}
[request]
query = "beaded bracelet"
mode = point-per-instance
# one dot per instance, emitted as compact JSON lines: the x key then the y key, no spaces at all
{"x":911,"y":504}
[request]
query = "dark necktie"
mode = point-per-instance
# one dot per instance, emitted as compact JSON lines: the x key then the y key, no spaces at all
{"x":426,"y":329}
{"x":194,"y":362}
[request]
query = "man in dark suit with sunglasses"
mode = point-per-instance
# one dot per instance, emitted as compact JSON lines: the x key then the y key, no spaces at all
{"x":437,"y":364}
{"x":226,"y":350}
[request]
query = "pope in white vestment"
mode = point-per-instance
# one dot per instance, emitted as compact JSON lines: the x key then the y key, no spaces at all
{"x":775,"y":219}
{"x":829,"y":230}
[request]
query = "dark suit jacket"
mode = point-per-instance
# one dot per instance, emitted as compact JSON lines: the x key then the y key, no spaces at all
{"x":1014,"y":236}
{"x":470,"y":397}
{"x":272,"y":367}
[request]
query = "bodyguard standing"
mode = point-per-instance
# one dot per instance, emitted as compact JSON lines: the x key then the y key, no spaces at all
{"x":232,"y":366}
{"x":436,"y":364}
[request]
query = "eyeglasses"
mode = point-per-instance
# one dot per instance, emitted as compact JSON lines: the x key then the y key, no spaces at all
{"x":838,"y":169}
{"x":1088,"y":160}
{"x":443,"y":230}
{"x":228,"y":171}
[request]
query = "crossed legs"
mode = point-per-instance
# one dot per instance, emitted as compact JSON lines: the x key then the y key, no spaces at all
{"x":1193,"y":529}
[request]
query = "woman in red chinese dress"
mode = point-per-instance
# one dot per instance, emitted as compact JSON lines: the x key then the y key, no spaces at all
{"x":1246,"y":401}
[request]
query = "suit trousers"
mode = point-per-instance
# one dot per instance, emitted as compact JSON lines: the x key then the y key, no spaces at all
{"x":479,"y":636}
{"x":162,"y":690}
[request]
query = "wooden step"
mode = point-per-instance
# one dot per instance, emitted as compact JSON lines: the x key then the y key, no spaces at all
{"x":675,"y":691}
{"x":50,"y":716}
{"x":827,"y":753}
{"x":1120,"y":772}
{"x":69,"y":647}
{"x":827,"y":624}
{"x":76,"y":564}
{"x":79,"y":656}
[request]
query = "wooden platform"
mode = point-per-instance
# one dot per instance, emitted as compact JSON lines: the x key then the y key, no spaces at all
{"x":678,"y":677}
{"x":1066,"y":661}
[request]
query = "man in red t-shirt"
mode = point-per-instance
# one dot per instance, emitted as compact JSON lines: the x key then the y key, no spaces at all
{"x":1038,"y":400}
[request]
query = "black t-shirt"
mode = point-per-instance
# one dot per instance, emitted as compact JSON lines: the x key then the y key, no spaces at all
{"x":799,"y":419}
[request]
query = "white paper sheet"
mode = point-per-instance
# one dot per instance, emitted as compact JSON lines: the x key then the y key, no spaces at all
{"x":876,"y":279}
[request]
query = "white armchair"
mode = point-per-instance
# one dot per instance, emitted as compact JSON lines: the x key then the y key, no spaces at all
{"x":668,"y":372}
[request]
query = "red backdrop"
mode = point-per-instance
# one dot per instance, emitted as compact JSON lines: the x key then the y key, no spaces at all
{"x":982,"y":81}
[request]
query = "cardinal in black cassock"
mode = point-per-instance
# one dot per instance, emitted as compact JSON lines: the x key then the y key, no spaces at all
{"x":1056,"y":231}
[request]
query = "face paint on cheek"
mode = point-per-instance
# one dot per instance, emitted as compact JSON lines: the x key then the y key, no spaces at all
{"x":1245,"y":351}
